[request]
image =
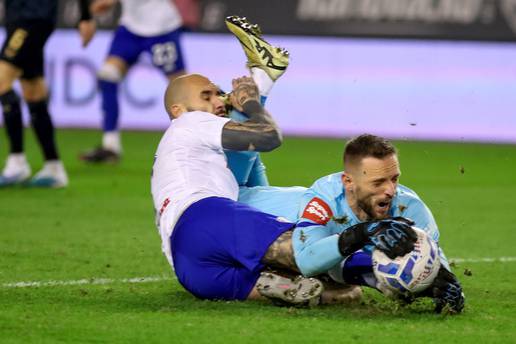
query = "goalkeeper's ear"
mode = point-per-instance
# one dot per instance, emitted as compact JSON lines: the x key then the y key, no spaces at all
{"x":347,"y":181}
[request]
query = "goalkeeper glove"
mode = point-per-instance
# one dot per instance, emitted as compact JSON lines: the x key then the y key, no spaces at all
{"x":394,"y":237}
{"x":446,"y":292}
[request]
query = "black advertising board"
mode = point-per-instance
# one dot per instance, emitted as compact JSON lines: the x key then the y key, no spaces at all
{"x":483,"y":20}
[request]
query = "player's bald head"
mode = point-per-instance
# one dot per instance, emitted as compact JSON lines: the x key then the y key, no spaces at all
{"x":180,"y":90}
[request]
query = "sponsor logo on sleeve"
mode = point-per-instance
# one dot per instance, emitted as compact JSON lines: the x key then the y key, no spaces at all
{"x":166,"y":202}
{"x":318,"y":211}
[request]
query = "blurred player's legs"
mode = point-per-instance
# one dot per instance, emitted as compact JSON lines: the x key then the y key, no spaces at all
{"x":53,"y":173}
{"x":22,"y":57}
{"x":110,"y":75}
{"x":124,"y":53}
{"x":16,"y":168}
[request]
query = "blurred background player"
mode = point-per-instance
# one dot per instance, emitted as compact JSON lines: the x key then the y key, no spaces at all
{"x":28,"y":24}
{"x":151,"y":26}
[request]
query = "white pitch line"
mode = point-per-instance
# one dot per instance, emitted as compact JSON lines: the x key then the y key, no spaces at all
{"x":150,"y":279}
{"x":91,"y":281}
{"x":484,"y":260}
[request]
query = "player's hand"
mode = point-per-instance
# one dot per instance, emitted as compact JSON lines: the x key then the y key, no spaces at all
{"x":244,"y":90}
{"x":99,"y":7}
{"x":394,"y":238}
{"x":446,"y":292}
{"x":87,"y":29}
{"x":404,"y":219}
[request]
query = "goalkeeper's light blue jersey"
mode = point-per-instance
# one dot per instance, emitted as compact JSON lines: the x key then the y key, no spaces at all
{"x":323,"y":213}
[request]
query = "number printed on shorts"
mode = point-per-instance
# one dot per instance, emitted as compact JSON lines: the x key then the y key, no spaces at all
{"x":164,"y":55}
{"x":16,"y":42}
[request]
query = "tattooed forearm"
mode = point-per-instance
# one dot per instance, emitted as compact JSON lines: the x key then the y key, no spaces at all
{"x":250,"y":137}
{"x":244,"y":92}
{"x":281,"y":254}
{"x":259,"y":132}
{"x":257,"y":114}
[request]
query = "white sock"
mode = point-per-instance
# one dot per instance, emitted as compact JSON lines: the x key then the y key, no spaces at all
{"x":262,"y":80}
{"x":15,"y":163}
{"x":18,"y":158}
{"x":54,"y":169}
{"x":111,"y":141}
{"x":53,"y":164}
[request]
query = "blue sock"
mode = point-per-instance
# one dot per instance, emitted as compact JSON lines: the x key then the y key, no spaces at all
{"x":358,"y":269}
{"x":109,"y":93}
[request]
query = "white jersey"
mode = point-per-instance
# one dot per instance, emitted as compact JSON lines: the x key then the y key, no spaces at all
{"x":190,"y":165}
{"x":150,"y":17}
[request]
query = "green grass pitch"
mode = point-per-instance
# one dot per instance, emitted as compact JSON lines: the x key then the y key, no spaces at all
{"x":101,"y":227}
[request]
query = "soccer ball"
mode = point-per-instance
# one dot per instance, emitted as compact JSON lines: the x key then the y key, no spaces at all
{"x":411,"y":273}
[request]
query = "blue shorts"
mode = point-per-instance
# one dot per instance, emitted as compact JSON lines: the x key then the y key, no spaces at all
{"x":217,"y":246}
{"x":165,"y":49}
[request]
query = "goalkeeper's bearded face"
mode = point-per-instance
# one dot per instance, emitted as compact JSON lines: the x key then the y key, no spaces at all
{"x":373,"y":186}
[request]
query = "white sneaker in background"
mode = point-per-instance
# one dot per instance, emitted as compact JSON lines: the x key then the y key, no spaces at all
{"x":52,"y":175}
{"x":16,"y":170}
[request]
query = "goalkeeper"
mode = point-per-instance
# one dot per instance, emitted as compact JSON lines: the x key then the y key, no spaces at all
{"x":338,"y":212}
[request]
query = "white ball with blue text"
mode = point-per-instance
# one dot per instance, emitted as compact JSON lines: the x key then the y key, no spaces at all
{"x":411,"y":273}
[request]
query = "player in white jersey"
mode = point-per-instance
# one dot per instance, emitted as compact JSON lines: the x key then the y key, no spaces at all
{"x":150,"y":17}
{"x":218,"y":247}
{"x":150,"y":26}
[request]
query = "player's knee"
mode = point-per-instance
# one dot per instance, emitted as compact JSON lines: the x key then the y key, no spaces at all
{"x":110,"y":73}
{"x":32,"y":96}
{"x":9,"y":99}
{"x":34,"y":90}
{"x":5,"y":85}
{"x":8,"y":75}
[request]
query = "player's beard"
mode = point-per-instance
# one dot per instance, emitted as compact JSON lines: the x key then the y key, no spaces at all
{"x":367,"y":205}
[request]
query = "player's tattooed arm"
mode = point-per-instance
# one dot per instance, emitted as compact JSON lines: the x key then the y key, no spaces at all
{"x":281,"y":254}
{"x":260,"y":132}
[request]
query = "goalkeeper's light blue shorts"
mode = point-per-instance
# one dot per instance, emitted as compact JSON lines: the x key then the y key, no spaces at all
{"x":217,"y":246}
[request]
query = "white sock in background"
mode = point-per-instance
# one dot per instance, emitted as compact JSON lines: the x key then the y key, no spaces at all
{"x":111,"y":141}
{"x":16,"y":164}
{"x":262,"y":80}
{"x":53,"y":169}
